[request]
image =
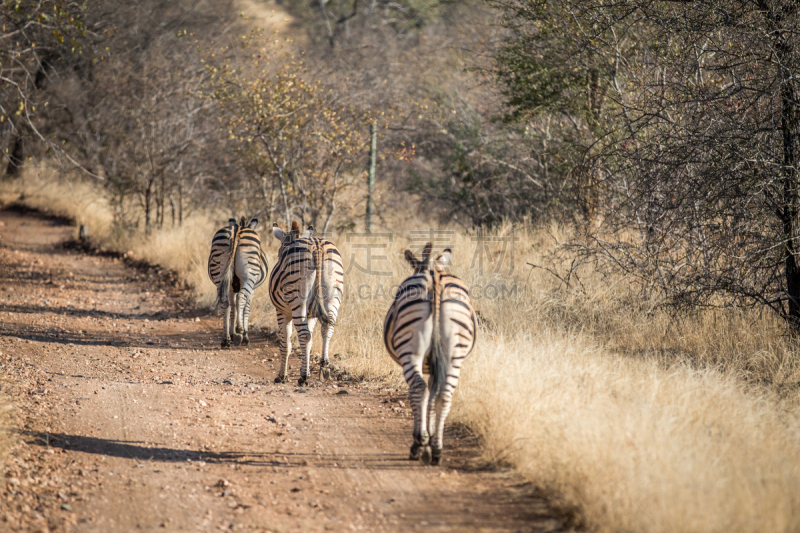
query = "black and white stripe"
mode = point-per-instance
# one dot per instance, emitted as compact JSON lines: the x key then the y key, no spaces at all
{"x":430,"y":329}
{"x":305,"y":286}
{"x":237,"y":266}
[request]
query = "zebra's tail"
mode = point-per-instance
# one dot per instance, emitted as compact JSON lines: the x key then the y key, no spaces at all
{"x":439,"y":362}
{"x":227,"y":271}
{"x":318,"y":302}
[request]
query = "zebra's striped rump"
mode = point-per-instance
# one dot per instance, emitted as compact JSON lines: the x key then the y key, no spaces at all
{"x":237,"y":266}
{"x":430,"y":329}
{"x":305,"y":286}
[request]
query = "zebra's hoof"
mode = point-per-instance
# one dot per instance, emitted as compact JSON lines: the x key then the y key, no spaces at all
{"x":426,"y":456}
{"x":436,"y":457}
{"x":416,"y":450}
{"x":237,"y":339}
{"x":324,"y":373}
{"x":303,"y":381}
{"x":226,"y":343}
{"x":280,"y":379}
{"x":245,"y":340}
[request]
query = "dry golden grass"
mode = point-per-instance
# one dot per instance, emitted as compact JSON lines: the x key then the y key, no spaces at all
{"x":641,"y":422}
{"x":183,"y":249}
{"x":635,"y":447}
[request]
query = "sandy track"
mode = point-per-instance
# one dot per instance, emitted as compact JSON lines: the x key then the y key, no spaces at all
{"x":128,"y":418}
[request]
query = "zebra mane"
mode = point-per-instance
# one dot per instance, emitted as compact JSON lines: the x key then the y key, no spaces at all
{"x":295,"y":232}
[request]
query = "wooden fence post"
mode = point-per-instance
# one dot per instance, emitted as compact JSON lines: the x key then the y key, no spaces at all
{"x":373,"y":149}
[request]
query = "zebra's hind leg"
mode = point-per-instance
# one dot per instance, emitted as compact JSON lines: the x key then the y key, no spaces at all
{"x":285,"y":343}
{"x":429,"y":453}
{"x":437,"y":424}
{"x":245,"y":320}
{"x":426,"y":456}
{"x":416,"y":451}
{"x":238,"y":306}
{"x":325,"y":362}
{"x":236,"y":321}
{"x":226,"y":336}
{"x":418,"y":396}
{"x":305,"y":330}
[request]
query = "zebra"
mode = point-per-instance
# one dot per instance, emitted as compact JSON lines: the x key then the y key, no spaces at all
{"x":237,"y":266}
{"x":430,"y":328}
{"x":305,"y":286}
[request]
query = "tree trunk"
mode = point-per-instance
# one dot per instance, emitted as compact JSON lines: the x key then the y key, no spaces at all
{"x":270,"y":198}
{"x":162,"y":193}
{"x":148,"y":200}
{"x":790,"y":124}
{"x":373,"y":150}
{"x":180,"y":193}
{"x":16,"y":156}
{"x":285,"y":201}
{"x":328,"y":218}
{"x":327,"y":22}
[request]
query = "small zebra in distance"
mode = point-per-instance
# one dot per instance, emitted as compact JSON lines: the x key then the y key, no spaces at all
{"x":237,"y":266}
{"x":430,"y":328}
{"x":305,"y":285}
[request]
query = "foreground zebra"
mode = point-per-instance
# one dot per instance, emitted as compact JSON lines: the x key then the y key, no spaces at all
{"x":305,"y":285}
{"x":237,"y":266}
{"x":430,"y":328}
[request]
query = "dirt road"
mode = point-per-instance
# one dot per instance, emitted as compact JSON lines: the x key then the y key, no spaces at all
{"x":128,"y":417}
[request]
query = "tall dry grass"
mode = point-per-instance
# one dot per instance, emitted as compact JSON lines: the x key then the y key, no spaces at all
{"x":642,"y":422}
{"x":183,"y":248}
